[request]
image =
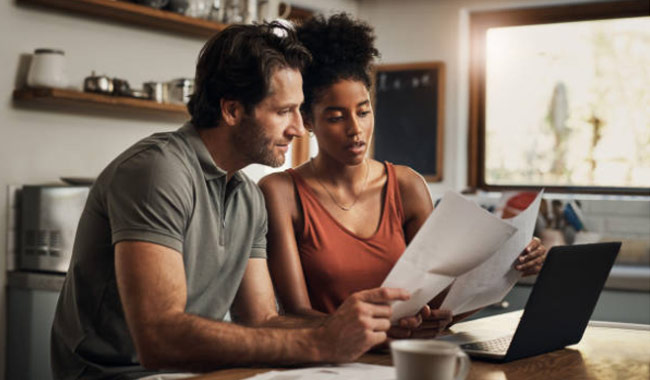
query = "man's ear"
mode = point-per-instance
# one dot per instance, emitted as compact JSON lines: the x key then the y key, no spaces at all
{"x":232,"y":111}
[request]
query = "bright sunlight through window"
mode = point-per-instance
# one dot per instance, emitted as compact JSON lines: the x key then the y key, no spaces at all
{"x":568,"y":104}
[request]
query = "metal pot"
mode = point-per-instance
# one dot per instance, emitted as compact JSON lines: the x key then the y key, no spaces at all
{"x":98,"y":83}
{"x":157,"y":91}
{"x":180,"y":90}
{"x":121,"y":87}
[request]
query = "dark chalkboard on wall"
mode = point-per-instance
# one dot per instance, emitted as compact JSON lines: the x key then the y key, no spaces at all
{"x":409,"y":117}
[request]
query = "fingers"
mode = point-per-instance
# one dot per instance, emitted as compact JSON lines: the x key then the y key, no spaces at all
{"x":361,"y":322}
{"x":375,"y":302}
{"x":376,"y":338}
{"x":425,"y":333}
{"x":432,"y":325}
{"x":382,"y":295}
{"x":438,"y":320}
{"x":530,"y":261}
{"x":426,"y":330}
{"x":425,"y":312}
{"x":378,"y":325}
{"x":441,"y":314}
{"x":397,"y":332}
{"x":410,"y":322}
{"x":534,"y":243}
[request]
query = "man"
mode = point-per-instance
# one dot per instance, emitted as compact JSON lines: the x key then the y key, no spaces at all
{"x":173,"y":236}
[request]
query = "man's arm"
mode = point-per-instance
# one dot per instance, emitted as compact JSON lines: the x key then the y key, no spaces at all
{"x":152,"y":286}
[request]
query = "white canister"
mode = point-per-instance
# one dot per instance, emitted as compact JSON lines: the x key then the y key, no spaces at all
{"x":47,"y":69}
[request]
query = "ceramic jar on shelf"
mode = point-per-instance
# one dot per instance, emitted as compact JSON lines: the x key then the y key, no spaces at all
{"x":47,"y":69}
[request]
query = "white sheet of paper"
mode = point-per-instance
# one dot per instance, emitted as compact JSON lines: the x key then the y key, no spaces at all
{"x":422,"y":285}
{"x":457,"y":236}
{"x":352,"y":371}
{"x":492,"y":280}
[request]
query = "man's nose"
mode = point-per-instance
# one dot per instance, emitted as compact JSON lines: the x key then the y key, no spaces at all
{"x":296,"y":127}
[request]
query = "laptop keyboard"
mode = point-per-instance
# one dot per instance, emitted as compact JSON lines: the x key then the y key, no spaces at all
{"x":497,"y":345}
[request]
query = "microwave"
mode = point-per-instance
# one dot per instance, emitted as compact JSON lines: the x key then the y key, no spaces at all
{"x":49,"y":215}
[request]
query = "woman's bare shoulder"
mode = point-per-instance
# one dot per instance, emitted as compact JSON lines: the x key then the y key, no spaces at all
{"x":408,"y":178}
{"x":274,"y":182}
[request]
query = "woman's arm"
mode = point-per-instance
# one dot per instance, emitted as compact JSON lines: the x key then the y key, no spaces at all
{"x":283,"y":259}
{"x":416,"y":200}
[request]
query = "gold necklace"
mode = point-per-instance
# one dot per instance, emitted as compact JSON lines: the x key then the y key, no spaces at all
{"x":363,"y":189}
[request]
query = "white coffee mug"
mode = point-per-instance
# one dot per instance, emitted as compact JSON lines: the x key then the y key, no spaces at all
{"x":269,"y":10}
{"x":420,"y":359}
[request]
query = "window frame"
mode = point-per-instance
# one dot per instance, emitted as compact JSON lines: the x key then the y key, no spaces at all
{"x":480,"y":22}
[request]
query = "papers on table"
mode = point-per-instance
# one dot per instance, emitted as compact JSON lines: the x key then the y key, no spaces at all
{"x":457,"y":237}
{"x":490,"y":281}
{"x":352,"y":371}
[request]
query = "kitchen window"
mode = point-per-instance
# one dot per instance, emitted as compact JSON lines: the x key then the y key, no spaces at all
{"x":559,"y":98}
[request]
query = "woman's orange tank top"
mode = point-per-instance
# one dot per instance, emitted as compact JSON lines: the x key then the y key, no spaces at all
{"x":335,"y":261}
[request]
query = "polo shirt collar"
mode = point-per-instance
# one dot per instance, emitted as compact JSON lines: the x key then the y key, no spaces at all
{"x":210,"y":169}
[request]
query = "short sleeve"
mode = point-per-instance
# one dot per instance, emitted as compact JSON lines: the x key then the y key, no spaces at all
{"x":149,"y":199}
{"x":258,"y":251}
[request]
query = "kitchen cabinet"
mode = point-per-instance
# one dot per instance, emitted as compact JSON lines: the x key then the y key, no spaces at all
{"x":31,"y":302}
{"x":136,"y":14}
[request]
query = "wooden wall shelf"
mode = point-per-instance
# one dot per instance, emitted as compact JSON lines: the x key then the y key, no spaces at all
{"x":55,"y":97}
{"x":136,"y":14}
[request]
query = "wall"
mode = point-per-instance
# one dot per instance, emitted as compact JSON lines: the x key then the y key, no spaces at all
{"x":38,"y":146}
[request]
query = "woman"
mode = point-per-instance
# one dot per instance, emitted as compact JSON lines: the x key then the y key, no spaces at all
{"x":338,"y":223}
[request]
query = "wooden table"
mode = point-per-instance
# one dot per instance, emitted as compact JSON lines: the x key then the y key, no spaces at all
{"x":606,"y":351}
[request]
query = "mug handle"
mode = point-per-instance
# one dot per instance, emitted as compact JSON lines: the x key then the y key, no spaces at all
{"x":463,"y":363}
{"x":287,"y":9}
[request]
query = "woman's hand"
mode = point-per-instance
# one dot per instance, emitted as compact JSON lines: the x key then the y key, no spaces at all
{"x":428,"y":323}
{"x":530,"y":261}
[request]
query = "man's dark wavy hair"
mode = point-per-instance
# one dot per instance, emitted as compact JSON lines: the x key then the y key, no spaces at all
{"x":237,"y":64}
{"x":341,"y":47}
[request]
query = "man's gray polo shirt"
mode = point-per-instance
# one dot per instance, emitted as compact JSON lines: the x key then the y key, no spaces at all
{"x":166,"y":190}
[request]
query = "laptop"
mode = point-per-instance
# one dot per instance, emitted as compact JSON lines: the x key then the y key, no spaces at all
{"x":558,"y":308}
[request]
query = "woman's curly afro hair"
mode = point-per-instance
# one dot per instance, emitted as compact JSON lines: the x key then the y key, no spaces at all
{"x":341,"y":48}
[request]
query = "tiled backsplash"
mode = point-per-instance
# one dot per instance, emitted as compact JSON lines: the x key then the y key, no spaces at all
{"x":625,"y":220}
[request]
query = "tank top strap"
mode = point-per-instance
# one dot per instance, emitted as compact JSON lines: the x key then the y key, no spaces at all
{"x":309,"y":204}
{"x":299,"y":183}
{"x":393,"y":193}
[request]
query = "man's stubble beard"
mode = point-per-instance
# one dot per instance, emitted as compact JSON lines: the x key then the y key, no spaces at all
{"x":250,"y":139}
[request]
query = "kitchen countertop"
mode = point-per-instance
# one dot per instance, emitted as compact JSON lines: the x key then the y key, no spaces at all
{"x":621,"y":277}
